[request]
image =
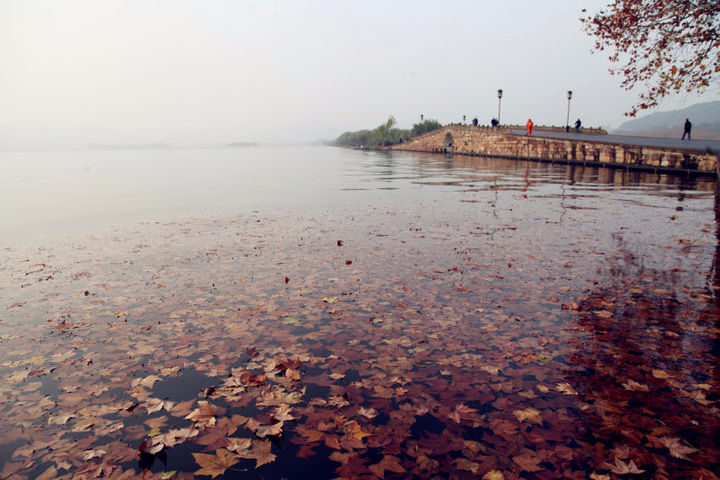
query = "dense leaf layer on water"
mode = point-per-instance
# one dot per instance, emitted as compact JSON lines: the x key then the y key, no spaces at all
{"x":532,"y":330}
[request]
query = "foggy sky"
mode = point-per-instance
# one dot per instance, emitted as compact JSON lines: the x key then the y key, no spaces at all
{"x":185,"y":72}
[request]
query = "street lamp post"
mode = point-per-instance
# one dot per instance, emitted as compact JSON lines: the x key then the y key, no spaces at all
{"x":567,"y":119}
{"x":499,"y":98}
{"x":463,"y":119}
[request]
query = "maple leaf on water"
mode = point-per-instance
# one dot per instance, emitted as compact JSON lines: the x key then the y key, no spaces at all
{"x":90,"y":454}
{"x":467,"y":465}
{"x":622,"y":468}
{"x":634,"y":386}
{"x":155,"y":405}
{"x":204,"y":415}
{"x":462,"y":411}
{"x":528,"y":461}
{"x":292,"y":374}
{"x":261,"y":453}
{"x":174,"y":437}
{"x":241,"y":446}
{"x":278,"y":397}
{"x":598,"y":476}
{"x":493,"y":475}
{"x":338,"y":401}
{"x":282,"y":413}
{"x":355,"y":430}
{"x":388,"y":463}
{"x":368,"y":412}
{"x":677,"y":448}
{"x":566,"y":388}
{"x":148,"y":381}
{"x":529,"y":414}
{"x":269,"y":430}
{"x":215,"y":465}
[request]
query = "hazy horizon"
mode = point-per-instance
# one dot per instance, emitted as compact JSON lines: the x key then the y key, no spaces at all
{"x":187,"y":73}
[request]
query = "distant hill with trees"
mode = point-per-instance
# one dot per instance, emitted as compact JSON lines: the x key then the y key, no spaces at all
{"x":705,"y":119}
{"x":385,"y":134}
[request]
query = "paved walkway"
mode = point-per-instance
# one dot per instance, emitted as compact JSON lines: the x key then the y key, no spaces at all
{"x":712,"y":146}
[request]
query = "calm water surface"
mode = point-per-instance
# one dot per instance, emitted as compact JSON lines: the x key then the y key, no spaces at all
{"x":286,"y":312}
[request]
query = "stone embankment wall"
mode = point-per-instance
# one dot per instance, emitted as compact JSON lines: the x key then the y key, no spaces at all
{"x":494,"y":142}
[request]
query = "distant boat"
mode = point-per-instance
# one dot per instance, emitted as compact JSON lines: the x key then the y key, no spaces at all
{"x":243,"y":144}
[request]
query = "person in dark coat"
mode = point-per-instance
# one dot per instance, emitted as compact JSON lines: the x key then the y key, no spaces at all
{"x":578,"y":126}
{"x":686,"y":131}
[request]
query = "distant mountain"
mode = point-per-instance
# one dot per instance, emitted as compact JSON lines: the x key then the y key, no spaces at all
{"x":705,"y":119}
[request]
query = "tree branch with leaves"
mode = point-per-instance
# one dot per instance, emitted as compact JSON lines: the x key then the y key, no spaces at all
{"x":666,"y":46}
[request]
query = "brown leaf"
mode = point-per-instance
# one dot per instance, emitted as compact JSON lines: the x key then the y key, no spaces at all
{"x":634,"y":386}
{"x":368,"y":412}
{"x":465,"y":464}
{"x":493,"y":475}
{"x":677,"y":448}
{"x":283,"y":413}
{"x":528,"y":461}
{"x":355,"y":430}
{"x":622,"y":468}
{"x":262,"y":454}
{"x":215,"y":465}
{"x":529,"y":414}
{"x":204,"y":415}
{"x":388,"y":463}
{"x":263,"y":431}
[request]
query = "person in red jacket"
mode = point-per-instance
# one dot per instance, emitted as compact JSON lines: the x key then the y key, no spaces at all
{"x":529,"y":126}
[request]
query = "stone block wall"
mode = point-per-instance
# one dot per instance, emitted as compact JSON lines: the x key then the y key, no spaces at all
{"x":494,"y":142}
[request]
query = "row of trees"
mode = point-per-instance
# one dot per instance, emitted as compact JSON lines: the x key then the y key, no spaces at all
{"x":385,"y":134}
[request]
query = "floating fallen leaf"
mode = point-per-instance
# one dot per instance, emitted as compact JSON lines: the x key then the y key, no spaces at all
{"x":215,"y":465}
{"x":677,"y":448}
{"x":90,"y":454}
{"x":261,"y":453}
{"x":204,"y":415}
{"x":566,"y":388}
{"x":269,"y":430}
{"x":493,"y":475}
{"x":368,"y":412}
{"x":465,"y":464}
{"x":634,"y":386}
{"x":388,"y":463}
{"x":622,"y":468}
{"x":530,"y":414}
{"x":528,"y":461}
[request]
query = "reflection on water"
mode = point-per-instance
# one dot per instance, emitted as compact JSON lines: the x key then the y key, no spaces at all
{"x":49,"y":192}
{"x":383,"y":315}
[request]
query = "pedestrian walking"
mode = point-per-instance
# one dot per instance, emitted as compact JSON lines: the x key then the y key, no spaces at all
{"x":529,"y":126}
{"x":578,"y":126}
{"x":686,"y":131}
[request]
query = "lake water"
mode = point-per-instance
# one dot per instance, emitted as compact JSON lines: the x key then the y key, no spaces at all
{"x":281,"y":312}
